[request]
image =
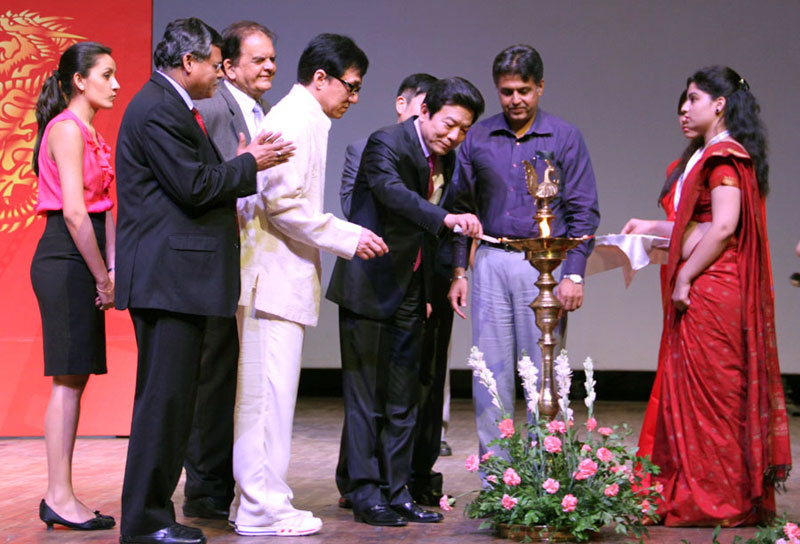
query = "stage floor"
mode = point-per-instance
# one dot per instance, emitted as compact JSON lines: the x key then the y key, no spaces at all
{"x":99,"y":465}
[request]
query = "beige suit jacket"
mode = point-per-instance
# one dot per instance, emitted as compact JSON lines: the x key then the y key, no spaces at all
{"x":283,"y":227}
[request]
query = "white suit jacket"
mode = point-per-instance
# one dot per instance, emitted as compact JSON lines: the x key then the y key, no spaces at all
{"x":283,"y":227}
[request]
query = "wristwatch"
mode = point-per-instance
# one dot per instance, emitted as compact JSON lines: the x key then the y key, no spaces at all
{"x":575,"y":278}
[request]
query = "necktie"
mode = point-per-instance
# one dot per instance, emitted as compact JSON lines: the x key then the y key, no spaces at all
{"x":418,"y":261}
{"x":258,"y":115}
{"x":430,"y":176}
{"x":199,"y":119}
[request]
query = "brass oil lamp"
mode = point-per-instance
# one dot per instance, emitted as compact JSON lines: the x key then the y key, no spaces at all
{"x":545,"y":253}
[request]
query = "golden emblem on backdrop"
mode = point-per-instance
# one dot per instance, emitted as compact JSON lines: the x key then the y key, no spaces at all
{"x":30,"y":46}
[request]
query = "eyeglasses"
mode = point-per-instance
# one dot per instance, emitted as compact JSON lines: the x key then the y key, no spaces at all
{"x":216,"y":65}
{"x":352,"y":88}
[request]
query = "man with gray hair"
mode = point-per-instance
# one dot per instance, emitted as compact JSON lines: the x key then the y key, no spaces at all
{"x":177,"y":262}
{"x":248,"y":64}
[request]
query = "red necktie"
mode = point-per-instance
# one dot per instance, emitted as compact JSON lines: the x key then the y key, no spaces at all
{"x":430,"y":193}
{"x":430,"y":176}
{"x":199,"y":119}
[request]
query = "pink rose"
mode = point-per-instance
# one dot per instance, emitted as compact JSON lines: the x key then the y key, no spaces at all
{"x":556,"y":426}
{"x":485,"y":457}
{"x":605,"y":455}
{"x":645,"y":506}
{"x":781,"y":541}
{"x":586,"y":469}
{"x":605,"y":431}
{"x":591,"y":423}
{"x":444,"y":503}
{"x":491,"y":478}
{"x":611,"y":490}
{"x":569,"y":503}
{"x":472,"y":463}
{"x":508,"y":502}
{"x":551,"y":486}
{"x":659,"y":487}
{"x":625,"y":471}
{"x":792,"y":531}
{"x":586,"y":448}
{"x":510,"y":477}
{"x":552,"y":444}
{"x":506,"y":428}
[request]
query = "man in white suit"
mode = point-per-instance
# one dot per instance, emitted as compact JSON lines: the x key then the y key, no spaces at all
{"x":283,"y":230}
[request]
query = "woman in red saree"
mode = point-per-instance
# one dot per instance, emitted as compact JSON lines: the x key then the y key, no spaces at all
{"x":721,"y":432}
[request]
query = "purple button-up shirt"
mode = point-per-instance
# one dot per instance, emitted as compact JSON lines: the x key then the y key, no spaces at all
{"x":490,"y":182}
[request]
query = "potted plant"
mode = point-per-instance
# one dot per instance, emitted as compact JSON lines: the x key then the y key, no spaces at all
{"x":552,"y":479}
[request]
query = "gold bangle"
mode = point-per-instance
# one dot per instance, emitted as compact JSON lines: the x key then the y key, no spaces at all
{"x":106,"y":292}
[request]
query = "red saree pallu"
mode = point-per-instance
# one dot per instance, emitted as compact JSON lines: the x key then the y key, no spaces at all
{"x":721,"y":431}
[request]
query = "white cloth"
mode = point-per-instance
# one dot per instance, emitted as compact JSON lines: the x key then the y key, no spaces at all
{"x":283,"y":227}
{"x":632,"y":252}
{"x":266,"y":393}
{"x":693,"y":160}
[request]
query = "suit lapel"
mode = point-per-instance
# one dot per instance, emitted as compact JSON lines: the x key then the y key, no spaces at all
{"x":418,"y":157}
{"x":162,"y":82}
{"x":238,"y":123}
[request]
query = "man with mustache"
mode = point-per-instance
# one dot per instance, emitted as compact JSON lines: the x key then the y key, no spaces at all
{"x":490,"y":181}
{"x":177,"y":262}
{"x":235,"y":110}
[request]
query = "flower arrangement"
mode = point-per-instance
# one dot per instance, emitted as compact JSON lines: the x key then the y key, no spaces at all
{"x":567,"y":478}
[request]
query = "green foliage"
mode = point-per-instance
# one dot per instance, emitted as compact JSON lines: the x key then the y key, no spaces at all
{"x":764,"y":535}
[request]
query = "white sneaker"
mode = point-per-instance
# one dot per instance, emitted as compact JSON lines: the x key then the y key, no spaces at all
{"x":299,"y":525}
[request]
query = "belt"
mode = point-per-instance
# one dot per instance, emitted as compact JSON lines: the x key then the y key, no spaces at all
{"x":501,"y":245}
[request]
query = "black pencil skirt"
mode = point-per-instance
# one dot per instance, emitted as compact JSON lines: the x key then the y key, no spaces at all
{"x":73,"y":328}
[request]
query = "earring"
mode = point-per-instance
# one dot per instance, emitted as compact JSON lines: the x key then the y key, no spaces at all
{"x":717,"y":111}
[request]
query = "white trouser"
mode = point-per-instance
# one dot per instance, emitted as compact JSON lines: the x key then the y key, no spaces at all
{"x":266,"y":393}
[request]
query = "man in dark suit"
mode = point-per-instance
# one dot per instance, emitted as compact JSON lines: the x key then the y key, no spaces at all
{"x":177,"y":262}
{"x":425,"y":484}
{"x":248,"y":63}
{"x":404,"y":171}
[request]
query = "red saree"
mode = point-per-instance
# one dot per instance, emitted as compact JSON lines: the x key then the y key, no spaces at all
{"x":721,"y":432}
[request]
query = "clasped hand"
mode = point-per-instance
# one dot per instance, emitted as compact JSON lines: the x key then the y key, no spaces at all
{"x":268,"y":148}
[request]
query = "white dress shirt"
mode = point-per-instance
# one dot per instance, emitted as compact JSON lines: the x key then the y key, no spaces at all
{"x":246,"y":104}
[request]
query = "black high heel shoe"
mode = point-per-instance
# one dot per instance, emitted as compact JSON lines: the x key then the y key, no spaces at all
{"x":98,"y":522}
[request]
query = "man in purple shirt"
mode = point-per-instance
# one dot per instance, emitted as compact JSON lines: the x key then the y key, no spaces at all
{"x":490,"y":182}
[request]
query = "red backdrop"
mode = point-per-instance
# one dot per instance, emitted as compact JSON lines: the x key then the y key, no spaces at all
{"x":33,"y":33}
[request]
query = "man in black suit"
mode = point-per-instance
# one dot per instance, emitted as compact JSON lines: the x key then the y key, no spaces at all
{"x":425,"y":484}
{"x":237,"y":107}
{"x":404,"y":171}
{"x":177,"y":262}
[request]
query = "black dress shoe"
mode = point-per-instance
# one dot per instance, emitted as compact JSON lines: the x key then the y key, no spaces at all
{"x":428,"y":497}
{"x":344,"y":502}
{"x":206,"y":507}
{"x":445,"y":450}
{"x":410,"y":511}
{"x":174,"y":534}
{"x":98,"y":522}
{"x":381,"y":515}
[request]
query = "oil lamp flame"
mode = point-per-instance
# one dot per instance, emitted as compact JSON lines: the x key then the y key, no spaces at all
{"x":544,"y":228}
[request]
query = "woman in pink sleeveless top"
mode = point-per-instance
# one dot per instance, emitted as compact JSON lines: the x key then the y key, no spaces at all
{"x":73,"y":268}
